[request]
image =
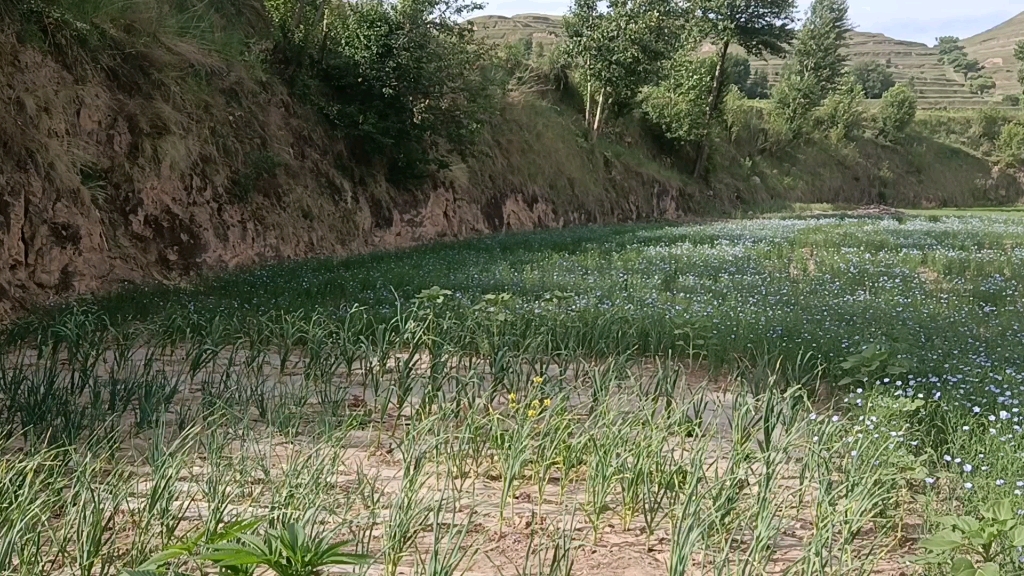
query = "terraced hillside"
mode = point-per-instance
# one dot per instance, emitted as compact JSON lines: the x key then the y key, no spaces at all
{"x":994,"y":48}
{"x":541,"y":28}
{"x":936,"y":85}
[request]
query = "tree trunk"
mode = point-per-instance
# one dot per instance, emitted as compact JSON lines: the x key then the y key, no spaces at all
{"x":713,"y":101}
{"x":590,"y":84}
{"x":586,"y":116}
{"x":322,"y":18}
{"x":300,"y":13}
{"x":597,"y":115}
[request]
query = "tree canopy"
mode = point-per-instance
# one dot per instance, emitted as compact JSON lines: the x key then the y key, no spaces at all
{"x":874,"y":77}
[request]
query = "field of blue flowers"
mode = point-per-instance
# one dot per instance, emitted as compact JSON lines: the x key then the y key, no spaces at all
{"x":903,"y":336}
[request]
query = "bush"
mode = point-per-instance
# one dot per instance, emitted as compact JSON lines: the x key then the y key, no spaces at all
{"x":874,"y":78}
{"x":404,"y":83}
{"x":759,"y":86}
{"x":1011,"y":145}
{"x":981,"y":85}
{"x":897,"y":113}
{"x":679,"y":103}
{"x":842,"y":113}
{"x":1011,"y":99}
{"x":793,"y":102}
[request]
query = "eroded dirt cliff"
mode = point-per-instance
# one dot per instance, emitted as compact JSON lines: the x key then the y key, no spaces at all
{"x":193,"y":165}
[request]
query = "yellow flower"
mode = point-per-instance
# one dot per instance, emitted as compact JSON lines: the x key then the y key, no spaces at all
{"x":547,"y":402}
{"x":538,"y":379}
{"x":532,"y":414}
{"x":535,"y":405}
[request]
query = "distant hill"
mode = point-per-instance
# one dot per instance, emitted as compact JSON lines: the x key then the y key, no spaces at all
{"x":937,"y":85}
{"x":994,"y":48}
{"x":541,"y":28}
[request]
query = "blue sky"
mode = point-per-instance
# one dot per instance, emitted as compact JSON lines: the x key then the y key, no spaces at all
{"x":920,"y":20}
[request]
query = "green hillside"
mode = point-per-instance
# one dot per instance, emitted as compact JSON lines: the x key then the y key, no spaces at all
{"x":994,"y":48}
{"x":937,"y":85}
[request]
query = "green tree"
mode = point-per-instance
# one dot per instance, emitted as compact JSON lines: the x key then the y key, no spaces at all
{"x":679,"y":102}
{"x":403,"y":83}
{"x":981,"y":85}
{"x":950,"y":49}
{"x":842,"y":114}
{"x":760,"y":27}
{"x":966,"y":66}
{"x":759,"y":86}
{"x":873,"y":77}
{"x":897,"y":113}
{"x":1011,"y":144}
{"x":1018,"y":53}
{"x":619,"y":48}
{"x":737,"y":71}
{"x":816,"y":65}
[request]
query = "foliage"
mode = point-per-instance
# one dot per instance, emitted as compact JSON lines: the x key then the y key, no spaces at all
{"x":817,"y":53}
{"x":288,"y":551}
{"x":1011,"y":99}
{"x":1010,"y":147}
{"x":618,"y":49}
{"x":737,"y":71}
{"x":816,"y":66}
{"x":679,"y":103}
{"x":1018,"y":54}
{"x":870,"y":366}
{"x":759,"y":86}
{"x":752,"y":84}
{"x":874,"y":78}
{"x":897,"y":113}
{"x":950,"y":50}
{"x":966,"y":66}
{"x":976,"y":546}
{"x":402,"y":82}
{"x":981,"y":85}
{"x":760,"y":27}
{"x":842,"y":114}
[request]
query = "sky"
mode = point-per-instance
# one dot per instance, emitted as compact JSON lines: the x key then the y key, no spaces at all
{"x":918,"y":20}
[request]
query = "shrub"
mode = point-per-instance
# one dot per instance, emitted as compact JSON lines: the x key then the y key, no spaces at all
{"x":981,"y":85}
{"x":873,"y":77}
{"x":404,"y":83}
{"x":793,"y":101}
{"x":987,"y":124}
{"x":1011,"y":99}
{"x":678,"y":104}
{"x":897,"y":113}
{"x":759,"y":86}
{"x":1011,"y":144}
{"x":842,"y":113}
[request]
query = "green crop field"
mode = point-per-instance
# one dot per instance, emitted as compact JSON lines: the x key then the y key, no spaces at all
{"x":821,"y":396}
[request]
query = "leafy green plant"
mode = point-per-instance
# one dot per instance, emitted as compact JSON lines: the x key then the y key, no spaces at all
{"x":897,"y":113}
{"x":870,"y":365}
{"x":976,"y":546}
{"x":288,"y":551}
{"x":1010,"y":146}
{"x":874,"y":78}
{"x":842,"y":113}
